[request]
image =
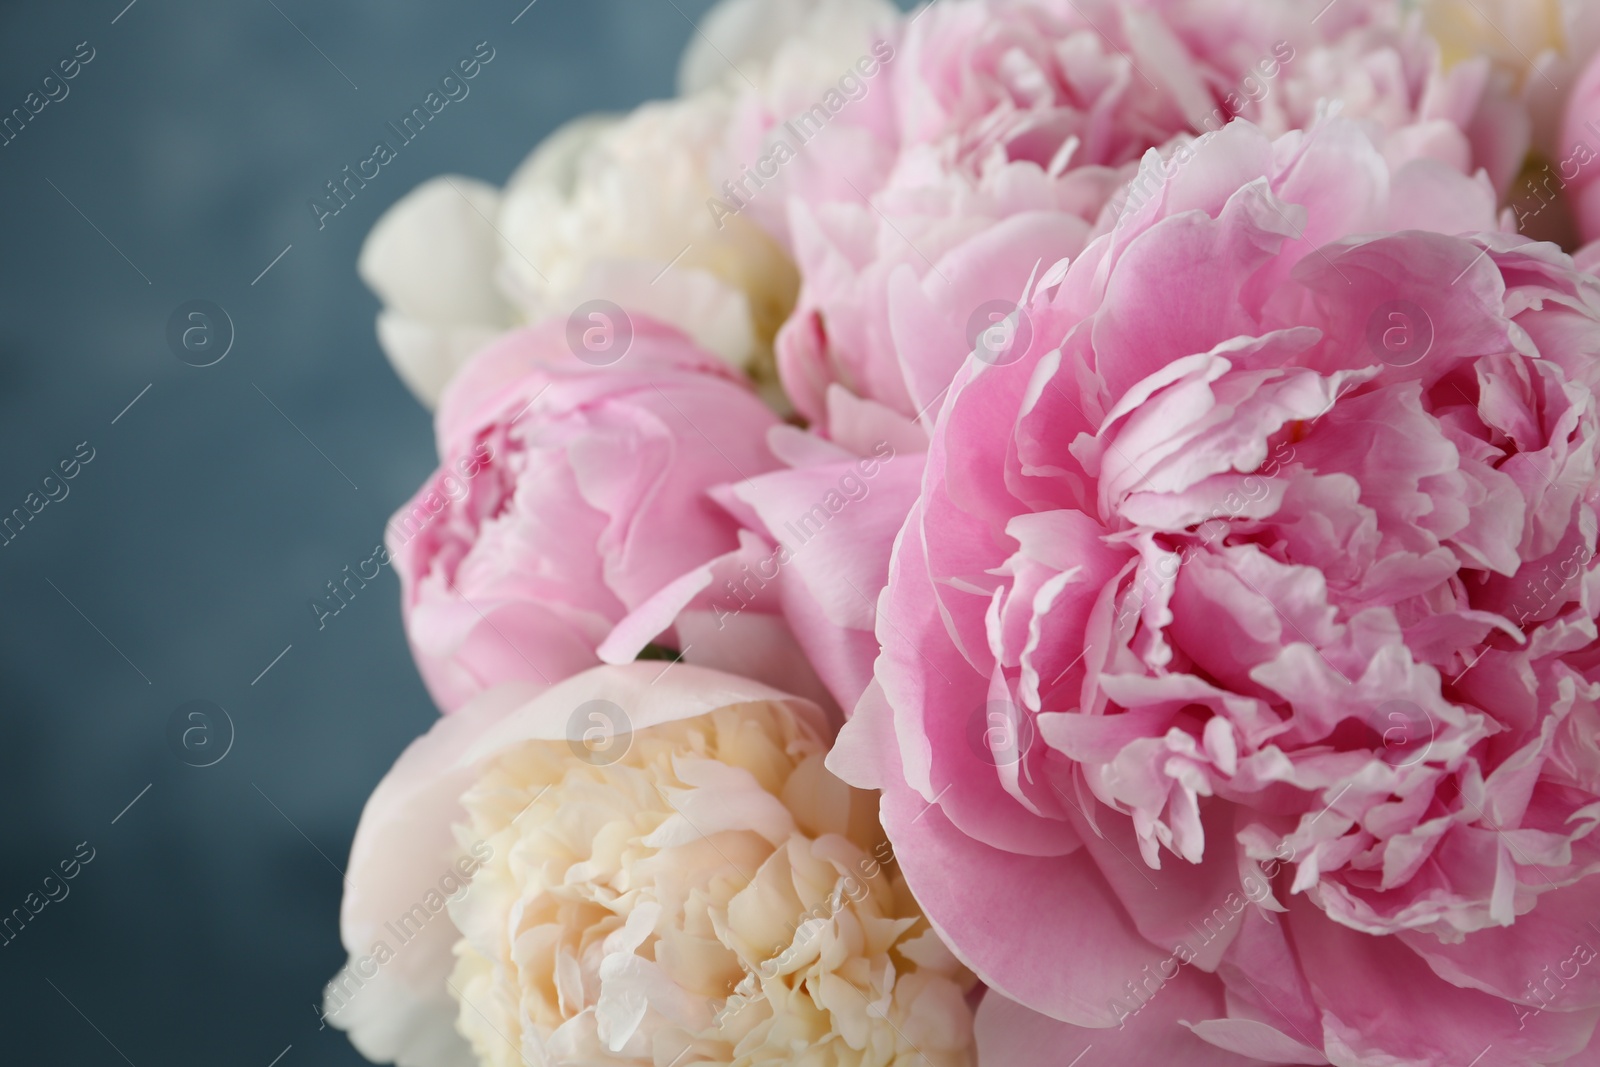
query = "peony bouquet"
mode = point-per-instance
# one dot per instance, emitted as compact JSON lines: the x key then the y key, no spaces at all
{"x":1017,"y":533}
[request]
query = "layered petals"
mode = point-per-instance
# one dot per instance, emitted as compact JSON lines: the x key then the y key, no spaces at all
{"x":570,"y":494}
{"x":627,"y":868}
{"x":1261,"y":631}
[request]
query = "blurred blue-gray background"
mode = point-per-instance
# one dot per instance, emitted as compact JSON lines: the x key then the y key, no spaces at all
{"x":179,"y":564}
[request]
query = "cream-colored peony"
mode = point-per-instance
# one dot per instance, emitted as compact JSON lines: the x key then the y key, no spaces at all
{"x":1513,"y":33}
{"x":613,"y":208}
{"x":605,"y":209}
{"x":1538,"y":47}
{"x":666,"y":875}
{"x":788,"y":50}
{"x":431,"y":259}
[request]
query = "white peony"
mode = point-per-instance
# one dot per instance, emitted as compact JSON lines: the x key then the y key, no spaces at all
{"x":789,"y":51}
{"x":431,"y":260}
{"x":614,"y":208}
{"x":698,"y":889}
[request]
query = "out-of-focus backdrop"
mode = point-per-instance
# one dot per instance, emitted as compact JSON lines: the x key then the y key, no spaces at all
{"x":207,"y":505}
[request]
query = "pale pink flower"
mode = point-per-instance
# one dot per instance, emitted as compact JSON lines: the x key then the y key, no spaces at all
{"x":571,"y":490}
{"x":994,"y":135}
{"x":983,"y":142}
{"x":1240,"y":682}
{"x":1578,"y":167}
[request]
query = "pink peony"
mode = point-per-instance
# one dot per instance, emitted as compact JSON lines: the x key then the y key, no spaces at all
{"x":989,"y":138}
{"x":999,"y":131}
{"x":1579,"y":165}
{"x":1240,"y":686}
{"x":572,"y":490}
{"x":814,"y":547}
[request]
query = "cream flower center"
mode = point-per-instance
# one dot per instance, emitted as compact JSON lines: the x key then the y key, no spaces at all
{"x":713,"y":896}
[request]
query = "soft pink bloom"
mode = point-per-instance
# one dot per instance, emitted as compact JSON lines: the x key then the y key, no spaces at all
{"x":814,"y":547}
{"x":1240,"y":685}
{"x":568,"y":495}
{"x":999,"y":131}
{"x":1579,"y":165}
{"x":989,"y":143}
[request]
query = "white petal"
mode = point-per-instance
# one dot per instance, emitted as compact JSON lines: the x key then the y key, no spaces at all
{"x":427,"y":356}
{"x":431,"y":256}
